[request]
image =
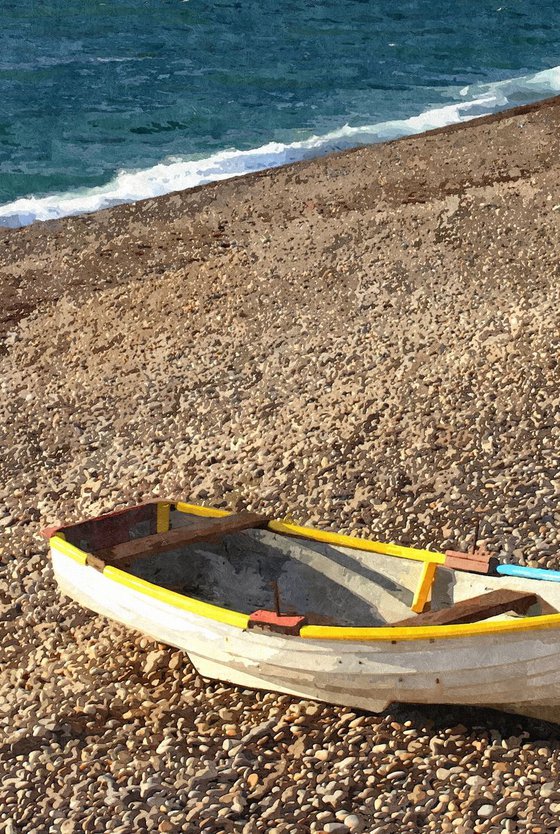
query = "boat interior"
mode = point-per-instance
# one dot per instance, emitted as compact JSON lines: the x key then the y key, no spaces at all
{"x":249,"y":568}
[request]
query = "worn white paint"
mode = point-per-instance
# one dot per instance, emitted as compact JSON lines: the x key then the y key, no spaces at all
{"x":518,"y":672}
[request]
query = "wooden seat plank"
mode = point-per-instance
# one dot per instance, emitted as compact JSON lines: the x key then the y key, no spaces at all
{"x":147,"y":546}
{"x":476,"y":608}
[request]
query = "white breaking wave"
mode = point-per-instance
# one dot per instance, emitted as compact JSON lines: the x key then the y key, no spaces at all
{"x":176,"y":174}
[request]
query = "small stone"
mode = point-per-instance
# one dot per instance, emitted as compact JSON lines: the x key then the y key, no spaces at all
{"x":324,"y":816}
{"x":476,"y":781}
{"x":548,"y":789}
{"x":485,"y":811}
{"x":354,"y":823}
{"x":175,"y":661}
{"x":230,"y":730}
{"x":345,"y":764}
{"x":153,"y":660}
{"x":333,"y":798}
{"x":165,"y":746}
{"x":396,"y":775}
{"x":259,"y":731}
{"x":208,"y":774}
{"x":226,"y":714}
{"x":417,"y":795}
{"x":297,"y":749}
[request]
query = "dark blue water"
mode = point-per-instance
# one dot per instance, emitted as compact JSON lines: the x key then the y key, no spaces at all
{"x":159,"y":89}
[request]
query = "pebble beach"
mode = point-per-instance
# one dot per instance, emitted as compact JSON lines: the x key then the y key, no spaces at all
{"x":368,"y":342}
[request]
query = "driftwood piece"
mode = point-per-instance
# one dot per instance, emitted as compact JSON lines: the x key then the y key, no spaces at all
{"x":123,"y":554}
{"x":474,"y":609}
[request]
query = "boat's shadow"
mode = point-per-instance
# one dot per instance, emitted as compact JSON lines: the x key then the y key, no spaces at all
{"x":477,"y":721}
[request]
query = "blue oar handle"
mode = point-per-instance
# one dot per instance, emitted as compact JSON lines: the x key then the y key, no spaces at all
{"x":529,"y":573}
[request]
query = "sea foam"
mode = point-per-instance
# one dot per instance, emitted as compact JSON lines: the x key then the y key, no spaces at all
{"x":176,"y":174}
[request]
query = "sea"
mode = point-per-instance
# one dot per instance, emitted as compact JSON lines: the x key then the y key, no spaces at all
{"x":110,"y":102}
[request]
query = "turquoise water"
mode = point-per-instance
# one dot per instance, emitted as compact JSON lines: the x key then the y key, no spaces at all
{"x":107,"y":102}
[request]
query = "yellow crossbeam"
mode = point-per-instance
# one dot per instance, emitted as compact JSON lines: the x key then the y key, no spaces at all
{"x":424,"y":587}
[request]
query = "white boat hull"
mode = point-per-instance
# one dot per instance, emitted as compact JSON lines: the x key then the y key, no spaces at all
{"x":517,"y":671}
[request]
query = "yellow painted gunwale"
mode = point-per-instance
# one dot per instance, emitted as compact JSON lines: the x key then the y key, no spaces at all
{"x":358,"y":544}
{"x":185,"y":603}
{"x":59,"y":543}
{"x":194,"y":606}
{"x":314,"y":632}
{"x":384,"y":634}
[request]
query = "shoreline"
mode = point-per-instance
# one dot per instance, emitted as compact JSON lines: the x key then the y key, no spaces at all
{"x":508,"y":112}
{"x":20,"y":291}
{"x":183,"y":172}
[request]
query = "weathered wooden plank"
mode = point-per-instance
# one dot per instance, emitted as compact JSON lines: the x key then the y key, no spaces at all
{"x":109,"y":529}
{"x":180,"y":537}
{"x":476,"y":608}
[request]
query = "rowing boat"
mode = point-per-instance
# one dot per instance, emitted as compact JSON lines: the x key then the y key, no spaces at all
{"x":272,"y":605}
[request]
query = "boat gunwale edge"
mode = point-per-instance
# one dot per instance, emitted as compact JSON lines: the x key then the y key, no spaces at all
{"x":360,"y":634}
